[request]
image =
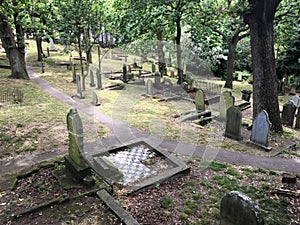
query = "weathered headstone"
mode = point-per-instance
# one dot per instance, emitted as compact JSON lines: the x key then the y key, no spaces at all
{"x":200,"y":101}
{"x":157,"y":78}
{"x":297,"y":125}
{"x":92,"y":81}
{"x":149,"y":87}
{"x":288,"y":113}
{"x":95,"y":100}
{"x":226,"y":101}
{"x":78,"y":84}
{"x":75,"y":162}
{"x":295,"y":100}
{"x":260,"y":130}
{"x":153,"y":68}
{"x":238,"y":209}
{"x":98,"y":76}
{"x":124,"y":72}
{"x":51,"y":44}
{"x":233,"y":123}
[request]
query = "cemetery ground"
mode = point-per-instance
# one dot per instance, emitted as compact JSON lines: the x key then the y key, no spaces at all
{"x":38,"y":125}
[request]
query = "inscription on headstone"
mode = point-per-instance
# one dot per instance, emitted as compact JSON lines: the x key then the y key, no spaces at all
{"x":260,"y":130}
{"x":238,"y":209}
{"x":233,"y":123}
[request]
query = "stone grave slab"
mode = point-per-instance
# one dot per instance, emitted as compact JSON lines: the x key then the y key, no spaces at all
{"x":260,"y":130}
{"x":226,"y":101}
{"x":137,"y":165}
{"x":288,"y":113}
{"x":233,"y":123}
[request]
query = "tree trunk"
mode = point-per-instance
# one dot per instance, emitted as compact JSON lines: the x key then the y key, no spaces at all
{"x":38,"y":41}
{"x":161,"y":55}
{"x":15,"y":53}
{"x":265,"y":96}
{"x":178,"y":51}
{"x":230,"y":63}
{"x":89,"y":56}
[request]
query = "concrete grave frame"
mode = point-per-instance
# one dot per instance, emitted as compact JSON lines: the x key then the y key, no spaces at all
{"x":178,"y":167}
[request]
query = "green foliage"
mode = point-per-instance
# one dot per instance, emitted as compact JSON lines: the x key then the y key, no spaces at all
{"x":217,"y":166}
{"x":167,"y":201}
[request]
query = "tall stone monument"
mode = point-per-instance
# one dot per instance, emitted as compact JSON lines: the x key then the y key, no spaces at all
{"x":75,"y":163}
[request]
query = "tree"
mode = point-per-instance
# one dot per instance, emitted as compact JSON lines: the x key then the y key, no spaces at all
{"x":226,"y":21}
{"x":14,"y":45}
{"x":260,"y":18}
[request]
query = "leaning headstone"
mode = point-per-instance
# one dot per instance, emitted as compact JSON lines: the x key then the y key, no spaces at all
{"x":239,"y":209}
{"x":199,"y":100}
{"x":92,"y":82}
{"x":297,"y":126}
{"x":79,"y":91}
{"x":95,"y":100}
{"x":226,"y":101}
{"x":149,"y":87}
{"x":260,"y":130}
{"x":295,"y":100}
{"x":288,"y":113}
{"x":233,"y":123}
{"x":75,"y":163}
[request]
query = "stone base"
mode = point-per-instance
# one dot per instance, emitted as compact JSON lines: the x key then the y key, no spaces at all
{"x":76,"y":172}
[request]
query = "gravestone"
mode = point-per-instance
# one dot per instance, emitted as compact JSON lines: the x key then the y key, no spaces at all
{"x":238,"y":209}
{"x":52,"y":48}
{"x":295,"y":100}
{"x":124,"y":72}
{"x":260,"y":130}
{"x":288,"y":113}
{"x":157,"y":78}
{"x":75,"y":163}
{"x":226,"y":101}
{"x":79,"y":91}
{"x":233,"y":123}
{"x":149,"y":87}
{"x":153,"y":68}
{"x":200,"y":101}
{"x":297,"y":125}
{"x":95,"y":100}
{"x":92,"y":82}
{"x":98,"y":76}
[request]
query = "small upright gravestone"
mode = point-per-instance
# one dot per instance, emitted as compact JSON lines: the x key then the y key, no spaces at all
{"x":297,"y":125}
{"x":153,"y":68}
{"x":260,"y":130}
{"x":95,"y":100}
{"x":288,"y":113}
{"x":233,"y":123}
{"x":238,"y":209}
{"x":92,"y":82}
{"x":75,"y":163}
{"x":226,"y":101}
{"x":295,"y":100}
{"x":157,"y":78}
{"x":149,"y":88}
{"x":79,"y":91}
{"x":200,"y":101}
{"x":124,"y":72}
